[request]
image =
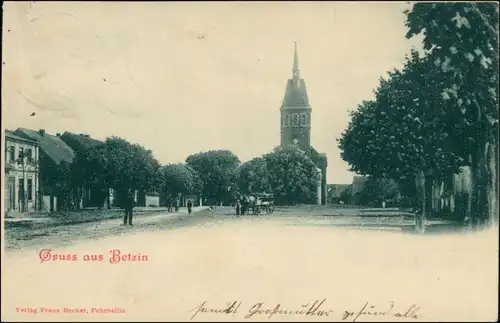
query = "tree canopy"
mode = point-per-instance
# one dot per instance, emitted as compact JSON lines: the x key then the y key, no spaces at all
{"x":179,"y":179}
{"x":129,"y":166}
{"x":253,"y":176}
{"x":293,"y":176}
{"x":440,"y":111}
{"x":217,"y":170}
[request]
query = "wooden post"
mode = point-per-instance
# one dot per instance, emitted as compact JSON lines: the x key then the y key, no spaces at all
{"x":318,"y":189}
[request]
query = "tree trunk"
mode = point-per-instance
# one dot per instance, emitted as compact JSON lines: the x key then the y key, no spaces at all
{"x":108,"y":199}
{"x":479,"y":205}
{"x":421,"y":194}
{"x":491,"y":184}
{"x":463,"y":200}
{"x":429,"y":194}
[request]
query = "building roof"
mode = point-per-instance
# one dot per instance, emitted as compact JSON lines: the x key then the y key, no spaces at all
{"x":79,"y":142}
{"x":9,"y":134}
{"x":295,"y":93}
{"x":52,"y":146}
{"x":358,"y":182}
{"x":319,"y":159}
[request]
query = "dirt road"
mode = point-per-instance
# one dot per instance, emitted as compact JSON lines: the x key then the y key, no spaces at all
{"x":297,"y":271}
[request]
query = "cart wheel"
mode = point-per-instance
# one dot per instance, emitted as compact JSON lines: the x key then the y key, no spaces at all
{"x":271,"y":208}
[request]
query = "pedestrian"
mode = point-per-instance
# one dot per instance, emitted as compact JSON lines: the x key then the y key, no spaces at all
{"x":177,"y":202}
{"x":189,"y":206}
{"x":170,"y":203}
{"x":129,"y":206}
{"x":243,"y":204}
{"x":238,"y":207}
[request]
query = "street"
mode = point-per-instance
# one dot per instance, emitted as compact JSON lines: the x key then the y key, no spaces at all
{"x":241,"y":267}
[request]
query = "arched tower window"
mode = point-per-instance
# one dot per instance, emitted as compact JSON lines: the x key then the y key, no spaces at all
{"x":287,"y":120}
{"x":295,"y":119}
{"x":303,"y":119}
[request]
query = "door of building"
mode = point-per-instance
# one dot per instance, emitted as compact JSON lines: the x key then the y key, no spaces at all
{"x":11,"y":194}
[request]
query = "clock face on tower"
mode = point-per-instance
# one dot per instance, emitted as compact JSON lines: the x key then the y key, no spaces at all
{"x":295,"y":141}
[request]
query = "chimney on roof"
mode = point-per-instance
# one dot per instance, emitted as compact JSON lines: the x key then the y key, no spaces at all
{"x":41,"y":132}
{"x":58,"y":134}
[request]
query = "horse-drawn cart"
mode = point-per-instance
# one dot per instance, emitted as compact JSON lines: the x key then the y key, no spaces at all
{"x":263,"y":203}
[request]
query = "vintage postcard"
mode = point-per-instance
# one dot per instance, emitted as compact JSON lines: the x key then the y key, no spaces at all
{"x":249,"y":161}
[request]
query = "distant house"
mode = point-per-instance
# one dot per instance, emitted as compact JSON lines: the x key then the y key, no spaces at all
{"x":54,"y":153}
{"x":152,"y":200}
{"x":335,"y":191}
{"x":358,"y":183}
{"x":81,"y":143}
{"x":21,"y":173}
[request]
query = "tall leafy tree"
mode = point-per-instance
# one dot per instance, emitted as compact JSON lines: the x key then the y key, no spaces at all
{"x":402,"y":134}
{"x":128,"y":166}
{"x":218,"y":172}
{"x":293,"y":176}
{"x":88,"y":171}
{"x":462,"y":38}
{"x":440,"y":112}
{"x":253,"y":176}
{"x":179,"y":179}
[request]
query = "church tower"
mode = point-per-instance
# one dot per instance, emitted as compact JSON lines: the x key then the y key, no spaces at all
{"x":296,"y":124}
{"x":296,"y":111}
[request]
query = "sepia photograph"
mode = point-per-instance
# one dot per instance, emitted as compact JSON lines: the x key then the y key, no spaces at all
{"x":250,"y":161}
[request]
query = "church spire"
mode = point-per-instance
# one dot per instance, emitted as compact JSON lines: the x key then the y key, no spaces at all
{"x":296,"y":71}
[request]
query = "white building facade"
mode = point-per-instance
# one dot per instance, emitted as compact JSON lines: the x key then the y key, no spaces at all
{"x":21,"y":174}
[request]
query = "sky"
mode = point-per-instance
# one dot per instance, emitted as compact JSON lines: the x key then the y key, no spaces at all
{"x":180,"y":78}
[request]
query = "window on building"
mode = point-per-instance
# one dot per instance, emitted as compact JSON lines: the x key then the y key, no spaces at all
{"x":12,"y":153}
{"x":21,"y":153}
{"x":287,"y":120}
{"x":30,"y":189}
{"x":29,"y":155}
{"x":295,"y":119}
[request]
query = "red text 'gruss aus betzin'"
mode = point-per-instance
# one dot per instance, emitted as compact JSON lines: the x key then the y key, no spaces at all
{"x":115,"y":256}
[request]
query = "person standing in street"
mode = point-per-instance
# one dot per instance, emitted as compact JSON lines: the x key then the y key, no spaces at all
{"x":128,"y":206}
{"x":238,"y":207}
{"x":189,"y":206}
{"x":177,"y":203}
{"x":170,"y":203}
{"x":244,"y":204}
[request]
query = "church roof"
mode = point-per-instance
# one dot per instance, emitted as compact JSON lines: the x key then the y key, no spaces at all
{"x":295,"y":93}
{"x":319,"y":159}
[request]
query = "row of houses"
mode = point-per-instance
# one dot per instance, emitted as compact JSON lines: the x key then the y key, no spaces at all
{"x":29,"y":157}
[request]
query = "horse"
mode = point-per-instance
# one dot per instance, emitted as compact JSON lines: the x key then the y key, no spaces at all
{"x":247,"y":202}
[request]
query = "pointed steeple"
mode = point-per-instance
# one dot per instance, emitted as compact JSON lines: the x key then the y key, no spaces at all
{"x":296,"y":71}
{"x":295,"y":93}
